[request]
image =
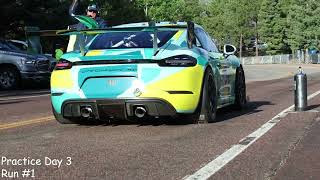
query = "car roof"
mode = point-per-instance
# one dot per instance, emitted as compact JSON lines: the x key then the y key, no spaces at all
{"x":157,"y":24}
{"x":18,"y":41}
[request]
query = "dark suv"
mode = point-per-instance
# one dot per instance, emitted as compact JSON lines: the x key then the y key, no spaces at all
{"x":17,"y":66}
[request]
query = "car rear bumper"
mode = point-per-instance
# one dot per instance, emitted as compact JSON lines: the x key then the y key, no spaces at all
{"x":117,"y":108}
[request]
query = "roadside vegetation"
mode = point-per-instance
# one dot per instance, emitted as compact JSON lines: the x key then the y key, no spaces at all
{"x":273,"y":26}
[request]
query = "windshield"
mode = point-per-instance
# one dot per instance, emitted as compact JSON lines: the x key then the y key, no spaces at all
{"x":119,"y":40}
{"x":4,"y":45}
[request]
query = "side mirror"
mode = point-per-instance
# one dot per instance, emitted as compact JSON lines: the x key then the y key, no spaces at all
{"x":191,"y":35}
{"x":229,"y":49}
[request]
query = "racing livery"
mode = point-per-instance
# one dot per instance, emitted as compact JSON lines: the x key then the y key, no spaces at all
{"x":146,"y":70}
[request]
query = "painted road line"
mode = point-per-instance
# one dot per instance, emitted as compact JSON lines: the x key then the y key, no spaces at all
{"x":22,"y":97}
{"x":24,"y":123}
{"x":214,"y":166}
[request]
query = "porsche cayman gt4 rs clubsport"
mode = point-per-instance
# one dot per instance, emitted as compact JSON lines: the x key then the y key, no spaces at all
{"x":146,"y":70}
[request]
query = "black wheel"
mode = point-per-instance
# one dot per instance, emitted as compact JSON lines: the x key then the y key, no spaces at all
{"x":240,"y":89}
{"x":61,"y":119}
{"x":9,"y":78}
{"x":208,"y":109}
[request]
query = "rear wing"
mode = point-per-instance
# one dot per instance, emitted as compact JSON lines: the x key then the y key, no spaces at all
{"x":150,"y":27}
{"x":78,"y":35}
{"x":119,"y":29}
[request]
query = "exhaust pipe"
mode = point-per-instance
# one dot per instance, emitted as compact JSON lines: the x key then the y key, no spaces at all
{"x":140,"y":111}
{"x":86,"y":112}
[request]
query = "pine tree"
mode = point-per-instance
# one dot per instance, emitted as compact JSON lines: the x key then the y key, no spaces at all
{"x":296,"y":26}
{"x":272,"y":26}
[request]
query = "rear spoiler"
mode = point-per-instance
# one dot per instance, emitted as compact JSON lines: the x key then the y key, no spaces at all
{"x":93,"y":29}
{"x":119,"y":29}
{"x":151,"y":27}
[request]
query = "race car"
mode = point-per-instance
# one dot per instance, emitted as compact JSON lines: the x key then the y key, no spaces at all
{"x":146,"y":70}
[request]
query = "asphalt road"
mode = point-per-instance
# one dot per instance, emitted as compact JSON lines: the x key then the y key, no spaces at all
{"x":169,"y":149}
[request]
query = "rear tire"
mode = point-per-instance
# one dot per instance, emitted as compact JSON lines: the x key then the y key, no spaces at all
{"x":9,"y":78}
{"x":240,"y":89}
{"x":61,"y":119}
{"x":209,"y":101}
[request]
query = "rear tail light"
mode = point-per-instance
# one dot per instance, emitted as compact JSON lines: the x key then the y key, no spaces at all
{"x":63,"y":64}
{"x":179,"y":61}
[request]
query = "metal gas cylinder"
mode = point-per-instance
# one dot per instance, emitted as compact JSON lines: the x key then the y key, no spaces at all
{"x":300,"y":92}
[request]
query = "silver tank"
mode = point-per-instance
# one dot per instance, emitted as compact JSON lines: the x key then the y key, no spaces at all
{"x":300,"y":93}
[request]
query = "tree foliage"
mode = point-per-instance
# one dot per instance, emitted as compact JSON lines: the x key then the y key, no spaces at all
{"x":271,"y":25}
{"x":284,"y":25}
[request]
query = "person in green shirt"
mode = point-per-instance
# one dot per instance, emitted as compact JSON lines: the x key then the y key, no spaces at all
{"x":58,"y":53}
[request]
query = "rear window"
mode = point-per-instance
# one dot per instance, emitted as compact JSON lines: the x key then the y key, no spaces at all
{"x":120,"y":40}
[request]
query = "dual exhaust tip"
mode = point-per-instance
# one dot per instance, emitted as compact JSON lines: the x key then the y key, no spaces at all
{"x":86,"y":112}
{"x":139,"y":111}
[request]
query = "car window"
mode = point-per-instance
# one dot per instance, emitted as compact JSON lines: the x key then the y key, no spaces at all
{"x":205,"y":40}
{"x":198,"y":44}
{"x":119,"y":40}
{"x":19,"y":45}
{"x":7,"y":46}
{"x":201,"y":36}
{"x":211,"y":44}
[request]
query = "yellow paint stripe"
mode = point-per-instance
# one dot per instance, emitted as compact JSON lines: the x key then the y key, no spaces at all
{"x":94,"y":53}
{"x":178,"y":34}
{"x":27,"y":122}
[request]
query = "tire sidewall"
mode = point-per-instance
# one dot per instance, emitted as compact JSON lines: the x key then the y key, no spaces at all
{"x":16,"y":77}
{"x":206,"y":112}
{"x":240,"y":78}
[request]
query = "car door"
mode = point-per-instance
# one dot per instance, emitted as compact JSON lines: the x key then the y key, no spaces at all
{"x":222,"y":65}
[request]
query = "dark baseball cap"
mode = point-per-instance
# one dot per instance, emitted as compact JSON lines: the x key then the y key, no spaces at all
{"x":93,"y":7}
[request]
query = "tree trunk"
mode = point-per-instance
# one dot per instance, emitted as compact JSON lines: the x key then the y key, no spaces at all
{"x":240,"y":53}
{"x":256,"y":39}
{"x":257,"y":49}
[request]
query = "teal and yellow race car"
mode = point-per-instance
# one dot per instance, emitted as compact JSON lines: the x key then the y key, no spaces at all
{"x":145,"y":70}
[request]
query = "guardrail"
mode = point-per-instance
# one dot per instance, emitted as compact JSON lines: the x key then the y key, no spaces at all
{"x":282,"y":59}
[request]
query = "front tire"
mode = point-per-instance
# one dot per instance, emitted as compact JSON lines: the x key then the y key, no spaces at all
{"x":240,"y":89}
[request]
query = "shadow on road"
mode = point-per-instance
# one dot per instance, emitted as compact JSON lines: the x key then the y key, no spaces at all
{"x":21,"y":93}
{"x":29,"y":88}
{"x":11,"y":102}
{"x":224,"y":114}
{"x":313,"y":107}
{"x":229,"y":112}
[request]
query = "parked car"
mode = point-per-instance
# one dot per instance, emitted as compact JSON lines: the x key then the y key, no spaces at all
{"x":17,"y":66}
{"x":22,"y":45}
{"x":142,"y":70}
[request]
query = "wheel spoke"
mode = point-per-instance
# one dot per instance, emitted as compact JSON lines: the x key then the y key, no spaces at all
{"x":8,"y":78}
